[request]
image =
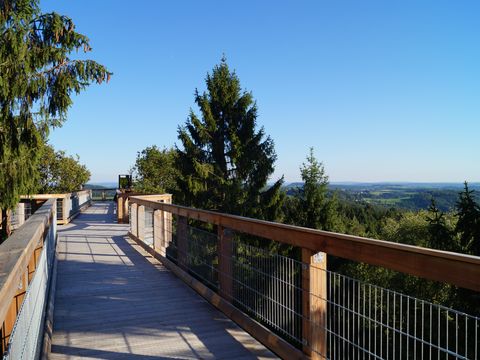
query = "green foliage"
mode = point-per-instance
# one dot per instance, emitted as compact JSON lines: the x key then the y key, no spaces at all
{"x":468,"y":225}
{"x":440,"y":235}
{"x":60,"y":173}
{"x":311,"y":206}
{"x":155,"y":172}
{"x":306,"y":206}
{"x":37,"y":79}
{"x":225,"y":161}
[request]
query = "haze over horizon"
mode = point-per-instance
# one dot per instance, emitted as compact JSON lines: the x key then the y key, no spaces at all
{"x":396,"y":105}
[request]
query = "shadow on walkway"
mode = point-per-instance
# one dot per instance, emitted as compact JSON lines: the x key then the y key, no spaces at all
{"x":114,"y":301}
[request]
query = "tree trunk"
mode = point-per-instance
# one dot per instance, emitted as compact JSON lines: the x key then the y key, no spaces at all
{"x":6,"y":224}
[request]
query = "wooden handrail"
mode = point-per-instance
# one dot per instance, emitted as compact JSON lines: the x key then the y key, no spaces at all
{"x":443,"y":266}
{"x":18,"y":249}
{"x":53,"y":196}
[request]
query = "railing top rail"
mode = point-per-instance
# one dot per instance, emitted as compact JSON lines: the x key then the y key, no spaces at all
{"x":454,"y":268}
{"x":16,"y":251}
{"x":53,"y":196}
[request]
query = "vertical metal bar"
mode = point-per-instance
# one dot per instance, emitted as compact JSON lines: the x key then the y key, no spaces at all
{"x":456,"y":333}
{"x":431,"y":340}
{"x":369,"y":319}
{"x":336,"y":314}
{"x":375,"y":322}
{"x":388,"y":323}
{"x":329,"y":316}
{"x":438,"y":335}
{"x":408,"y":327}
{"x":381,"y":323}
{"x":349,"y":281}
{"x":446,"y":322}
{"x":476,"y":339}
{"x":343,"y":316}
{"x":423,"y":326}
{"x":363,"y":327}
{"x":394,"y":350}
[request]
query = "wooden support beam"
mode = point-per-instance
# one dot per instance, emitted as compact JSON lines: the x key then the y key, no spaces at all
{"x":120,"y":208}
{"x":182,"y":241}
{"x":225,"y":273}
{"x":314,"y":304}
{"x":159,"y":232}
{"x":125,"y":210}
{"x":133,"y":219}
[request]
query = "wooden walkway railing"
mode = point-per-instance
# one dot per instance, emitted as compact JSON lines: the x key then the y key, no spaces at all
{"x":298,"y":307}
{"x":26,"y":262}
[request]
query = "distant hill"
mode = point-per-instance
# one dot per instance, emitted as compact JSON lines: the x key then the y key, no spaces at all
{"x":410,"y":196}
{"x":101,"y":185}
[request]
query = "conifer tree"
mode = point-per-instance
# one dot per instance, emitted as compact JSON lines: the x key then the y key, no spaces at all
{"x":37,"y":79}
{"x":468,"y":225}
{"x":318,"y":211}
{"x":440,"y":235}
{"x":225,"y":161}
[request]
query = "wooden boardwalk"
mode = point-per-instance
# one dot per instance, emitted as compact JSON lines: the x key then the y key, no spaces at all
{"x":114,"y":301}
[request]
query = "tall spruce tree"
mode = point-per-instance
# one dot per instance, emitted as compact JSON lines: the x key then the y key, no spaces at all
{"x":440,"y":236}
{"x":37,"y":78}
{"x":318,"y":211}
{"x":468,"y":225}
{"x":225,"y":161}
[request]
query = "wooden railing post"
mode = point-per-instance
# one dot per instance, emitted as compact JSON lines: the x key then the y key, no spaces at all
{"x":65,"y":209}
{"x":125,"y":209}
{"x":141,"y":222}
{"x":159,"y":232}
{"x":314,"y":304}
{"x":20,"y":214}
{"x":225,"y":273}
{"x":133,"y":219}
{"x":120,"y":208}
{"x":182,"y":239}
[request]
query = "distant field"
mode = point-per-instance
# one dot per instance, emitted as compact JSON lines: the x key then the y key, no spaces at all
{"x":406,"y":196}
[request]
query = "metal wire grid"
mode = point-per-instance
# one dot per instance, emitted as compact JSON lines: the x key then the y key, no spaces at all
{"x":202,"y":258}
{"x":148,"y":229}
{"x":368,"y":321}
{"x":60,"y":209}
{"x":27,"y":210}
{"x":26,"y":337}
{"x":268,"y":287}
{"x":363,"y":321}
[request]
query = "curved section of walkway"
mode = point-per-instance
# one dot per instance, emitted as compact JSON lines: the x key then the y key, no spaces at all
{"x":114,"y":301}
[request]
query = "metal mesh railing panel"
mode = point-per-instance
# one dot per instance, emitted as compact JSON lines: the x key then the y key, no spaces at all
{"x":26,"y":338}
{"x":335,"y":317}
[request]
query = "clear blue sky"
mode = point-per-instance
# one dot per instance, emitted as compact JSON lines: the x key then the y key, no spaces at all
{"x":383,"y":90}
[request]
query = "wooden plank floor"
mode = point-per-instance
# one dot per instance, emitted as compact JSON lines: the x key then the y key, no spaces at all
{"x":114,"y":301}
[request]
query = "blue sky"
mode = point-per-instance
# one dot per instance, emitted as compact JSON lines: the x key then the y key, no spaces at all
{"x":384,"y":91}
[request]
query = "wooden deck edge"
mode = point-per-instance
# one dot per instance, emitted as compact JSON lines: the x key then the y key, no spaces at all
{"x":273,"y":342}
{"x":48,"y":326}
